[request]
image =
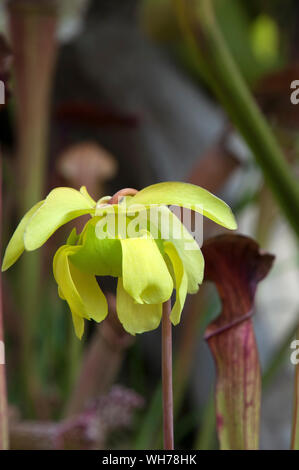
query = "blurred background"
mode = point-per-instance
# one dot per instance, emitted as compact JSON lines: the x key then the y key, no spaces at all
{"x":110,"y":94}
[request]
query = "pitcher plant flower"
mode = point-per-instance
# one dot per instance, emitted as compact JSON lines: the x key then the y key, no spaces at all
{"x":148,"y":265}
{"x":136,"y":238}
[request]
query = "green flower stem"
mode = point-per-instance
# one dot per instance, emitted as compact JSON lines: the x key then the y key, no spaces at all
{"x":216,"y":65}
{"x":167,"y":393}
{"x":295,"y":430}
{"x":3,"y":396}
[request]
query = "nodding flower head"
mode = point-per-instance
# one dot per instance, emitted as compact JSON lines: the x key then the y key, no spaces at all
{"x":125,"y":237}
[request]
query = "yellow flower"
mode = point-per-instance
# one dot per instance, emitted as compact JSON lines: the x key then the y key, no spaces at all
{"x":150,"y":253}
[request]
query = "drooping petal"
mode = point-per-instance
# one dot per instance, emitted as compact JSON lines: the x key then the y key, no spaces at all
{"x":60,"y":293}
{"x":189,"y":252}
{"x":187,"y":195}
{"x":181,"y":282}
{"x":184,"y":243}
{"x":193,"y":262}
{"x":92,"y":296}
{"x":78,"y":323}
{"x":102,"y":257}
{"x":145,"y":274}
{"x":60,"y":206}
{"x":15,"y":246}
{"x":136,"y":318}
{"x":80,"y":290}
{"x":63,"y":277}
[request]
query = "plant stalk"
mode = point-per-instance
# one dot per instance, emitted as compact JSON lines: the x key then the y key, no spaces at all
{"x":217,"y":66}
{"x":167,"y":393}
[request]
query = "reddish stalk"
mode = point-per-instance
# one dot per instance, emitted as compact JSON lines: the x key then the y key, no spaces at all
{"x":167,"y":377}
{"x":121,"y":193}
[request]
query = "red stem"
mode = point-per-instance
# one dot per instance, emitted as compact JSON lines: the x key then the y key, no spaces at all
{"x":167,"y":377}
{"x":121,"y":193}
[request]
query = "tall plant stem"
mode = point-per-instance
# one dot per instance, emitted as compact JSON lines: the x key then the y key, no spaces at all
{"x":216,"y":65}
{"x":295,"y":430}
{"x":167,"y":393}
{"x":3,"y":396}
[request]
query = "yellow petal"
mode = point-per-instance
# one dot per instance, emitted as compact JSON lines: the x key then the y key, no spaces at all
{"x":145,"y":274}
{"x":78,"y":323}
{"x":80,"y":290}
{"x":181,"y":282}
{"x":60,"y":293}
{"x":136,"y":318}
{"x":92,"y":296}
{"x":60,"y":206}
{"x":101,"y":257}
{"x":187,"y":195}
{"x":193,"y":262}
{"x":16,"y":245}
{"x":184,"y":243}
{"x":85,"y":193}
{"x":189,"y":252}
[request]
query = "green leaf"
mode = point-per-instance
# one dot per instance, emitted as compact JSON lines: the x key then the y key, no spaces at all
{"x":189,"y":196}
